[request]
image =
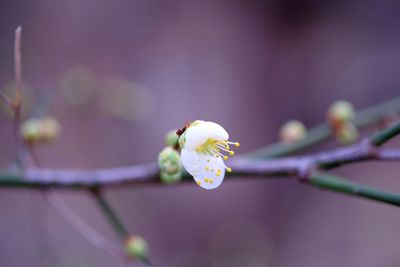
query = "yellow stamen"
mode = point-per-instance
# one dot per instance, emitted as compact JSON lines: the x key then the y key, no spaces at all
{"x":207,"y":168}
{"x":225,"y":157}
{"x":228,"y":169}
{"x":198,"y":182}
{"x":231,"y":153}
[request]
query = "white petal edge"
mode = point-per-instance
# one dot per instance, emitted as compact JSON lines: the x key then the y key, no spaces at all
{"x":215,"y":130}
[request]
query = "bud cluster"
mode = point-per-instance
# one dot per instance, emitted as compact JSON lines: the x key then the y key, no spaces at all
{"x":40,"y":130}
{"x":169,"y":160}
{"x":340,"y":116}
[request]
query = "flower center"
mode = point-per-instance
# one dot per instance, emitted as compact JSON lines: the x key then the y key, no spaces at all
{"x":217,"y":148}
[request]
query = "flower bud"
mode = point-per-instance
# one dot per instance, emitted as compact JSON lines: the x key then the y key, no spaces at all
{"x":49,"y":128}
{"x":292,"y":131}
{"x":340,"y":112}
{"x":136,"y":247}
{"x":347,"y":133}
{"x":170,"y":165}
{"x":170,"y":178}
{"x":171,"y":138}
{"x":30,"y":130}
{"x":182,"y":140}
{"x":43,"y":130}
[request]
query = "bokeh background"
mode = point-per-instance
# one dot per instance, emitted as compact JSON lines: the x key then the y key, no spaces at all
{"x":120,"y":74}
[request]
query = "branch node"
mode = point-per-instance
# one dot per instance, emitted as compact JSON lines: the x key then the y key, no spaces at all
{"x":306,"y":166}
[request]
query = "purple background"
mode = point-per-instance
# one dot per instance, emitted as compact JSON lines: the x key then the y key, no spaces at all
{"x":122,"y":73}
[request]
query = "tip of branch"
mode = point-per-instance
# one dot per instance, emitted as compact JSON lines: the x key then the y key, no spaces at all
{"x":18,"y":68}
{"x":18,"y":30}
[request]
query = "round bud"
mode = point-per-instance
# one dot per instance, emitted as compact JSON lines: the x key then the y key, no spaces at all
{"x":171,"y":138}
{"x":49,"y":129}
{"x":170,"y":178}
{"x":292,"y":131}
{"x":30,"y":130}
{"x":137,"y":247}
{"x":170,"y":165}
{"x":40,"y":130}
{"x":340,"y":112}
{"x":347,"y":133}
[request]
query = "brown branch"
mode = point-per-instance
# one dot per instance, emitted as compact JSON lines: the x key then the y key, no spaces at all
{"x":148,"y":173}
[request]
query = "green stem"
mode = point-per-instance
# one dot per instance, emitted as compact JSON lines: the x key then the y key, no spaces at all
{"x":111,"y":215}
{"x":318,"y":134}
{"x":337,"y":184}
{"x":386,"y":134}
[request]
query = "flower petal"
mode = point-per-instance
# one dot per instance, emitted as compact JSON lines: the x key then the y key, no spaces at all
{"x":191,"y":161}
{"x":212,"y":172}
{"x":215,"y":130}
{"x":196,"y":136}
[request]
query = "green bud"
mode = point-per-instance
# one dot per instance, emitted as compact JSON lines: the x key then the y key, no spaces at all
{"x":182,"y":140}
{"x":347,"y":134}
{"x":340,"y":112}
{"x":43,"y":130}
{"x":137,"y":247}
{"x":170,"y":165}
{"x":292,"y":131}
{"x":30,"y":130}
{"x":170,"y":178}
{"x":171,"y":138}
{"x":49,"y":128}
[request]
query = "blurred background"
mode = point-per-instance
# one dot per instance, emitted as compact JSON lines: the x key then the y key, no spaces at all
{"x":120,"y":74}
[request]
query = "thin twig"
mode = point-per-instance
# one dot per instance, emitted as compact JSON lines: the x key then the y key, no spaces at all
{"x":18,"y":69}
{"x":110,"y":214}
{"x":17,"y":102}
{"x":56,"y":202}
{"x":316,"y":135}
{"x":7,"y":101}
{"x":89,"y":234}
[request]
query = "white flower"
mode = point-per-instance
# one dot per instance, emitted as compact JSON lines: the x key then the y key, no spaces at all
{"x":205,"y":146}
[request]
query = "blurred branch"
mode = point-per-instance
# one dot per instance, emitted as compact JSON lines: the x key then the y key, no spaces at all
{"x":16,"y":104}
{"x":7,"y":101}
{"x":79,"y":225}
{"x":55,"y":201}
{"x":18,"y":70}
{"x":115,"y":221}
{"x":337,"y":184}
{"x":318,"y":134}
{"x":385,"y":135}
{"x":110,"y":214}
